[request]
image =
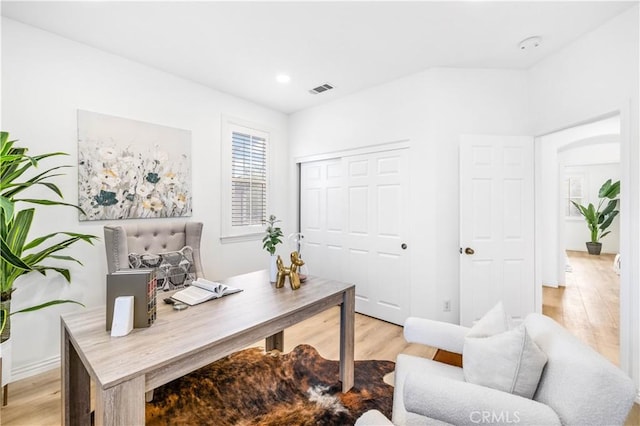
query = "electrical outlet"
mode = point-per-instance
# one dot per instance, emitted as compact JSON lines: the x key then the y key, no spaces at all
{"x":446,"y":306}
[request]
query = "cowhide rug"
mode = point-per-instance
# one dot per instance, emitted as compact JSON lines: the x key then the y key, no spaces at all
{"x":253,"y":388}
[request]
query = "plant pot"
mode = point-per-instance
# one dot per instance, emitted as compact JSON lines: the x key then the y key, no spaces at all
{"x":5,"y":352}
{"x":273,"y":268}
{"x":594,"y":248}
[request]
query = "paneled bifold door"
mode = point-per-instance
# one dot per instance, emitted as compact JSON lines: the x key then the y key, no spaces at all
{"x":496,"y":225}
{"x":354,"y":215}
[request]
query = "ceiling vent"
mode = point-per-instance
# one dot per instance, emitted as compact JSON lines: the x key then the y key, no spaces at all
{"x":321,"y":88}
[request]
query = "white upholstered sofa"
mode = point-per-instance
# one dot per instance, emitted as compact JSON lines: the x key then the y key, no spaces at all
{"x":577,"y":386}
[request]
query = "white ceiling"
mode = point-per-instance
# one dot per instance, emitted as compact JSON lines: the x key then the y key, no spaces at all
{"x":240,"y":47}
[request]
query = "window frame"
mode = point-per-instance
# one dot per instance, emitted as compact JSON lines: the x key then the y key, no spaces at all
{"x":228,"y":232}
{"x":567,"y":197}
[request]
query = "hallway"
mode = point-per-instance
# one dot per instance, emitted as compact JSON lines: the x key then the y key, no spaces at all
{"x":589,"y":305}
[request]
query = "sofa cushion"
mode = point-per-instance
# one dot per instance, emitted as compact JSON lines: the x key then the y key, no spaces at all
{"x":493,"y":322}
{"x":509,"y":361}
{"x":173,"y":269}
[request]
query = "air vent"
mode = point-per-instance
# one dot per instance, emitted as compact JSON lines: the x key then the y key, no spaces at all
{"x":321,"y":88}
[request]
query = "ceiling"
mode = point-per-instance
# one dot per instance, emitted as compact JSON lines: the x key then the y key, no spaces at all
{"x":240,"y":47}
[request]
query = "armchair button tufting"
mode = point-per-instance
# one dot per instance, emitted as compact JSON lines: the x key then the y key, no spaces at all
{"x":155,"y":234}
{"x":146,"y":248}
{"x":164,"y":246}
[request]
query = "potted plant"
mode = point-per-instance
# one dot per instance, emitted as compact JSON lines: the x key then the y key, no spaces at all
{"x":271,"y":239}
{"x":21,"y":256}
{"x":598,"y":219}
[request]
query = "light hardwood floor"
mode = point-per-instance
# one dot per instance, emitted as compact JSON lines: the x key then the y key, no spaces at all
{"x":36,"y":400}
{"x":589,"y":304}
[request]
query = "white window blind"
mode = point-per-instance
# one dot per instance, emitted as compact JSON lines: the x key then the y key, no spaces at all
{"x":248,"y":179}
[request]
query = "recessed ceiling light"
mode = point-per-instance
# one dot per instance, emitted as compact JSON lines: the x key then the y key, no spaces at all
{"x":283,"y":78}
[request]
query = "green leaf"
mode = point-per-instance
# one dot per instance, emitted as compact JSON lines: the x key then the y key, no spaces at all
{"x":18,"y":230}
{"x":9,"y":257}
{"x":69,"y":258}
{"x":62,"y":271}
{"x":590,"y":214}
{"x":37,"y":241}
{"x":18,"y":187}
{"x":609,"y":190}
{"x":610,"y":207}
{"x":3,"y":319}
{"x":609,"y":220}
{"x":48,"y":203}
{"x":46,"y":304}
{"x":7,"y":206}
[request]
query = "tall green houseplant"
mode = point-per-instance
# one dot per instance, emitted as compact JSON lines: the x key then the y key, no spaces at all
{"x":21,"y":255}
{"x":599,"y":219}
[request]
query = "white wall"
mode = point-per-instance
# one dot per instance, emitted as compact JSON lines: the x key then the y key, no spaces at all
{"x":575,"y":228}
{"x":594,"y":76}
{"x":430,"y":109}
{"x":45,"y":79}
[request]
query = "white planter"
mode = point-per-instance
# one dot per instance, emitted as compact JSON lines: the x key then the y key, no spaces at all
{"x":273,"y":268}
{"x":5,"y":353}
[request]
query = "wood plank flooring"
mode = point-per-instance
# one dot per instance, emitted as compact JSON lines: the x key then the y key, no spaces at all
{"x":587,"y":306}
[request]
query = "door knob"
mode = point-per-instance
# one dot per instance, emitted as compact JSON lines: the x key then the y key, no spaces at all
{"x":403,"y":246}
{"x":469,"y":251}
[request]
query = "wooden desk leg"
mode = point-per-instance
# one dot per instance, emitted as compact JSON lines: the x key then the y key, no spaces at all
{"x":275,"y":342}
{"x":122,"y":404}
{"x":76,"y":386}
{"x":347,"y":324}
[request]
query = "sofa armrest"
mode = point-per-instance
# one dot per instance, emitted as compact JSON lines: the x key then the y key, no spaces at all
{"x":463,"y":403}
{"x":442,"y":335}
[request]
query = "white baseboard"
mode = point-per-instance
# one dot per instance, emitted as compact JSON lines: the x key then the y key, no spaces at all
{"x":35,"y":368}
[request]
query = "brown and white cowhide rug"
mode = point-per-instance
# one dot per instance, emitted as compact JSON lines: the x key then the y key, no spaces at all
{"x":253,"y":388}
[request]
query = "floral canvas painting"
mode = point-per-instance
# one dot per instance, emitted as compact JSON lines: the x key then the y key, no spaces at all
{"x":132,"y":169}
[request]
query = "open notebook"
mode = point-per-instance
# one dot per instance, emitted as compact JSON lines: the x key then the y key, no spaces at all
{"x":202,"y":290}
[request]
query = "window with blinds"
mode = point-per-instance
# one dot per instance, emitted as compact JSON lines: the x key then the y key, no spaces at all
{"x":248,"y":179}
{"x":573,"y":191}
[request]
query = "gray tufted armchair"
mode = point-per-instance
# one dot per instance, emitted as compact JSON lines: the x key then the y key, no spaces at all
{"x":151,"y":237}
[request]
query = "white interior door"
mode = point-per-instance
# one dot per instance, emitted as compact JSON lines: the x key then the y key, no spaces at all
{"x":353,"y":213}
{"x":496,"y":225}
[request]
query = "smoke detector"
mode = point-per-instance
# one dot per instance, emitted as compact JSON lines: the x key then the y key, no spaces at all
{"x":322,"y":88}
{"x":530,"y":43}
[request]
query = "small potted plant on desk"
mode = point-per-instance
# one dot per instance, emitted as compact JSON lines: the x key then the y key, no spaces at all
{"x":598,"y":219}
{"x":271,"y":239}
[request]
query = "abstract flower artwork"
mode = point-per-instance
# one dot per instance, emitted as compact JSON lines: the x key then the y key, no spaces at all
{"x":132,"y":169}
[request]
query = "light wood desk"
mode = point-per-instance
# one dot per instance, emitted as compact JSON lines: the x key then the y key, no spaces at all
{"x":124,"y":368}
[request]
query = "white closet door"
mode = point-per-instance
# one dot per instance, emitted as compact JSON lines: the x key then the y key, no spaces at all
{"x":354,"y":216}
